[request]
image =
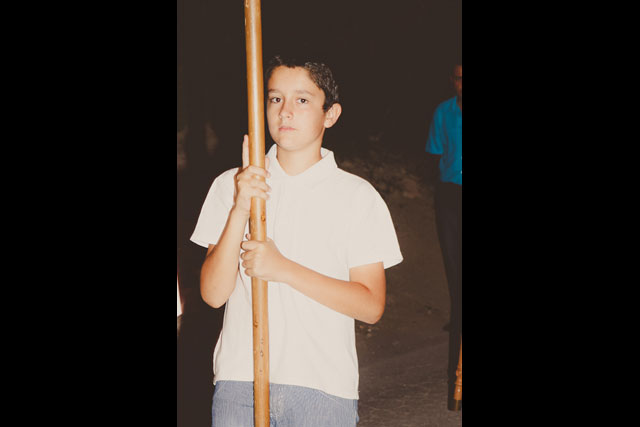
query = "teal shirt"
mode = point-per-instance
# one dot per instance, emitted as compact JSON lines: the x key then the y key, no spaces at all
{"x":445,"y":139}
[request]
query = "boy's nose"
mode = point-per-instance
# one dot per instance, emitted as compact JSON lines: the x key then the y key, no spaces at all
{"x":285,"y":112}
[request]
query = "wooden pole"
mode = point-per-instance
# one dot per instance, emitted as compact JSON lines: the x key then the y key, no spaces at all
{"x":457,"y":393}
{"x":257,"y":219}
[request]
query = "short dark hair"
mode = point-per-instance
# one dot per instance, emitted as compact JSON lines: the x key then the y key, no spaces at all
{"x":320,"y":74}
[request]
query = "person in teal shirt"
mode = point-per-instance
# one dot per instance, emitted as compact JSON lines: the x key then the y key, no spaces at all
{"x":445,"y":133}
{"x":445,"y":143}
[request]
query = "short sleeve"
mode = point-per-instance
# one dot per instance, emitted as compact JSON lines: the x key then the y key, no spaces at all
{"x":215,"y":210}
{"x":372,"y":236}
{"x":434,"y":140}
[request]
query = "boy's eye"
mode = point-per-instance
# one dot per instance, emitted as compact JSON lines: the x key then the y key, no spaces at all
{"x":303,"y":101}
{"x":274,"y":100}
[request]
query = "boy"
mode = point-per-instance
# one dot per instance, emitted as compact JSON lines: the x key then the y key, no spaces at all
{"x":329,"y":239}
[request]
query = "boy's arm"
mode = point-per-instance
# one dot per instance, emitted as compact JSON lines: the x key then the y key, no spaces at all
{"x":220,"y":267}
{"x":362,"y":297}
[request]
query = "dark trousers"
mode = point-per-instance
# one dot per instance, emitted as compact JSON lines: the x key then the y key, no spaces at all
{"x":448,"y":206}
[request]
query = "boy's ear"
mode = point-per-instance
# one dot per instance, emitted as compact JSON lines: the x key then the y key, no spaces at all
{"x":332,"y":114}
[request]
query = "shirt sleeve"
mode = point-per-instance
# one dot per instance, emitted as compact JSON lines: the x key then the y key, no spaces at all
{"x":434,"y":140}
{"x":372,"y":236}
{"x":215,"y":210}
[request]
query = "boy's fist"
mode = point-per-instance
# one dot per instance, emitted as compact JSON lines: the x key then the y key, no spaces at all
{"x":263,"y":260}
{"x":250,"y":181}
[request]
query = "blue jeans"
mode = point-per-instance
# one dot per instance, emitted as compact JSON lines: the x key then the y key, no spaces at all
{"x":289,"y":406}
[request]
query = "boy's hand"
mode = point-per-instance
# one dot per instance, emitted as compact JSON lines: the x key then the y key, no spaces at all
{"x":248,"y":184}
{"x":263,"y":260}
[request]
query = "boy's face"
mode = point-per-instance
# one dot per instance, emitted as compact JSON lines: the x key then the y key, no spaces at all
{"x":294,"y":110}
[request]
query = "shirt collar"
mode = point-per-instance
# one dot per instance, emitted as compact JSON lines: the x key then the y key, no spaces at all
{"x":316,"y":173}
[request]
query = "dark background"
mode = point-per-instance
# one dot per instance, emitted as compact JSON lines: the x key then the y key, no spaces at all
{"x":391,"y":62}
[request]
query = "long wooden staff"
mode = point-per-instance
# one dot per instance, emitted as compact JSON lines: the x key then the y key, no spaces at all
{"x":257,"y":219}
{"x":457,"y":393}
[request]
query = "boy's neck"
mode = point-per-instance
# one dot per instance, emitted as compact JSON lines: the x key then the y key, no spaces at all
{"x":296,"y":162}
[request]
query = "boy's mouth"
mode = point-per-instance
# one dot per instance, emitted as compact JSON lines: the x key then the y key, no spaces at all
{"x":285,"y":128}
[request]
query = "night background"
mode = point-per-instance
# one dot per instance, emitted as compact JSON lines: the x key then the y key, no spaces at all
{"x":392,"y":62}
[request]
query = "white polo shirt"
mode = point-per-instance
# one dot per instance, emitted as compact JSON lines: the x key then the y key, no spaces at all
{"x":327,"y":220}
